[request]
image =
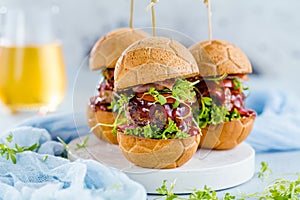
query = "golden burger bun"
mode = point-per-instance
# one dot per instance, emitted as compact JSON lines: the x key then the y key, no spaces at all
{"x":216,"y":57}
{"x":102,"y":132}
{"x":153,"y":59}
{"x":226,"y":135}
{"x":104,"y":54}
{"x":109,"y":48}
{"x":159,"y":154}
{"x":147,"y":61}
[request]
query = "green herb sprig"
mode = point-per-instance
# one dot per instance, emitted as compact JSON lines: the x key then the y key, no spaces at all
{"x":82,"y":145}
{"x":67,"y":148}
{"x":217,"y":79}
{"x":238,"y":85}
{"x":10,"y":153}
{"x":278,"y":189}
{"x":211,"y":113}
{"x":205,"y":194}
{"x":157,"y":96}
{"x":167,"y":193}
{"x":118,"y":103}
{"x":45,"y":158}
{"x":183,"y":90}
{"x":153,"y":132}
{"x":118,"y":106}
{"x":264,"y":172}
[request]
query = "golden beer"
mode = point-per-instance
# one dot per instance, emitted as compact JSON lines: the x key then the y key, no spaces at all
{"x":32,"y":76}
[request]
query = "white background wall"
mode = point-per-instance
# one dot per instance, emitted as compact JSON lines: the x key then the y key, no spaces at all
{"x":267,"y":30}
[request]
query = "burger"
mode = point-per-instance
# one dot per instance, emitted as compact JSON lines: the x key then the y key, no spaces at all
{"x":160,"y":130}
{"x":103,"y":57}
{"x":223,"y":118}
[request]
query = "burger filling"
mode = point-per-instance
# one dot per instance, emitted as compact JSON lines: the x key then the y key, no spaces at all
{"x":160,"y":111}
{"x":105,"y":92}
{"x":222,"y":100}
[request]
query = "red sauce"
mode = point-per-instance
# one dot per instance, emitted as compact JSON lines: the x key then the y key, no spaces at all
{"x":102,"y":102}
{"x":144,"y":112}
{"x":225,"y":93}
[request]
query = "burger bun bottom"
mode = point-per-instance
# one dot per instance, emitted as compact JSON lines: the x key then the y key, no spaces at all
{"x":159,"y":154}
{"x":226,"y":135}
{"x":102,"y":132}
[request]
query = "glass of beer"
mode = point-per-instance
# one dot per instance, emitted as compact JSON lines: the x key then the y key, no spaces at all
{"x":32,"y":70}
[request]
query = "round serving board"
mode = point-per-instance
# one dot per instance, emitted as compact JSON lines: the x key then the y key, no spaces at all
{"x":215,"y":169}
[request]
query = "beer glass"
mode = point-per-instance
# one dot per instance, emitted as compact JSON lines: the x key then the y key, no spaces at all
{"x":32,"y":71}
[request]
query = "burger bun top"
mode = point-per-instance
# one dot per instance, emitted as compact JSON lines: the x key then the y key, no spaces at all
{"x":151,"y":60}
{"x":109,"y":48}
{"x":216,"y":57}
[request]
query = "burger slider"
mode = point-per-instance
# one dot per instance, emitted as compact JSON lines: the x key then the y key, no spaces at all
{"x":222,"y":116}
{"x":104,"y":56}
{"x":160,"y":130}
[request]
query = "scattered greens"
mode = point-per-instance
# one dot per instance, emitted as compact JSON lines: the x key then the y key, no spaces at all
{"x":278,"y":189}
{"x":238,"y":85}
{"x":45,"y":158}
{"x":234,"y":115}
{"x":183,"y":90}
{"x":153,"y":132}
{"x":117,"y":104}
{"x":67,"y":148}
{"x":210,"y":113}
{"x":9,"y":138}
{"x":83,"y":145}
{"x":205,"y":194}
{"x":168,"y":193}
{"x":264,"y":172}
{"x":218,"y":78}
{"x":10,"y":153}
{"x":157,"y":96}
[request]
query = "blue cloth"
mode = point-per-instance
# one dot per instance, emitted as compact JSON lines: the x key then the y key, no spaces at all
{"x":34,"y":177}
{"x":277,"y":126}
{"x":66,"y":126}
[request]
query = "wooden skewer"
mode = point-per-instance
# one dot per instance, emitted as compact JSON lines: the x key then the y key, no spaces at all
{"x":209,"y":14}
{"x":131,"y":14}
{"x":153,"y":21}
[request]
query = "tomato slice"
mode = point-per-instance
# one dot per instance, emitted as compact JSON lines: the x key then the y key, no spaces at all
{"x":228,"y":83}
{"x":150,"y":98}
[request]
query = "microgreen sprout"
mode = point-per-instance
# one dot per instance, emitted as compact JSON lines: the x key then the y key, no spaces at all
{"x":45,"y":158}
{"x":67,"y":148}
{"x":82,"y":145}
{"x":217,"y":79}
{"x":278,"y":189}
{"x":10,"y":153}
{"x":205,"y":194}
{"x":264,"y":172}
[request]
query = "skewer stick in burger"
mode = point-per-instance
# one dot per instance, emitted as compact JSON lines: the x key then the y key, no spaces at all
{"x":223,"y":117}
{"x":160,"y":131}
{"x":104,"y":56}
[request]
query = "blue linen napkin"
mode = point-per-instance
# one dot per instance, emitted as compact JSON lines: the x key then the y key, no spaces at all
{"x":277,"y":126}
{"x":35,"y":176}
{"x":67,"y":126}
